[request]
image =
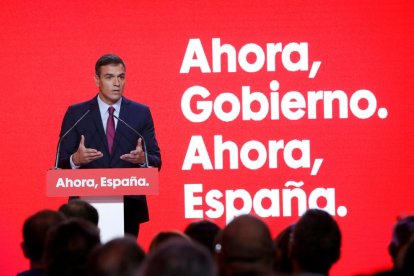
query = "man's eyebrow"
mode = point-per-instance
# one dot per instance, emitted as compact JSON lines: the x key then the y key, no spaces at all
{"x":109,"y":74}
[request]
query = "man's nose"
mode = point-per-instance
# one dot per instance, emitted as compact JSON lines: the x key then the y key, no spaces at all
{"x":116,"y":82}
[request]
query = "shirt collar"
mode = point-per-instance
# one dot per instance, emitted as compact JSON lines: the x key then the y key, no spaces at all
{"x":103,"y":107}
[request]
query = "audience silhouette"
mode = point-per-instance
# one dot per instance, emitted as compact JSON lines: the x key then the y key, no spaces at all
{"x":245,"y":248}
{"x":177,"y":257}
{"x":399,"y":248}
{"x":403,"y":232}
{"x":165,"y":236}
{"x":35,"y":230}
{"x":204,"y":232}
{"x":67,"y":243}
{"x":80,"y":209}
{"x":118,"y":257}
{"x":68,"y":247}
{"x":315,"y":243}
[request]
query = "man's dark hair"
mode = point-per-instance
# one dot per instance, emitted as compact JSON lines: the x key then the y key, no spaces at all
{"x":179,"y":257}
{"x":204,"y":232}
{"x":165,"y":236}
{"x":316,"y":242}
{"x":118,"y":257}
{"x":35,"y":230}
{"x":403,"y":231}
{"x":245,"y":247}
{"x":107,"y":59}
{"x":80,"y":209}
{"x":68,"y":246}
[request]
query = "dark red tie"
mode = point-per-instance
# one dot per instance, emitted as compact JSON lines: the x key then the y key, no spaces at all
{"x":110,"y":128}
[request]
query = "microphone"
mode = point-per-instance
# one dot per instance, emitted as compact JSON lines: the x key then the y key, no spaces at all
{"x":64,"y":135}
{"x":140,"y":136}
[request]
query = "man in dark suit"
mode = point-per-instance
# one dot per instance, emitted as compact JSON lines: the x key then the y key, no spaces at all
{"x":99,"y":140}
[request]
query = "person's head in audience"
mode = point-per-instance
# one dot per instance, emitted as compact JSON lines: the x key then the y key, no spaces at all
{"x":164,"y":236}
{"x":118,"y":257}
{"x":283,"y":263}
{"x":35,"y":230}
{"x":68,"y":247}
{"x":315,"y":243}
{"x":80,"y":209}
{"x":245,"y":247}
{"x":177,"y":257}
{"x":403,"y":230}
{"x":204,"y":232}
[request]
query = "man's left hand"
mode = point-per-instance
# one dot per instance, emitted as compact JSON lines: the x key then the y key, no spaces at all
{"x":136,"y":156}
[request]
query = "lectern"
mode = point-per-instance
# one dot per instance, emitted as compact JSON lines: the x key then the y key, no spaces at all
{"x":104,"y":189}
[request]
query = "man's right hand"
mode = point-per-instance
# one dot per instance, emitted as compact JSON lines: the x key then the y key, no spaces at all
{"x":85,"y":155}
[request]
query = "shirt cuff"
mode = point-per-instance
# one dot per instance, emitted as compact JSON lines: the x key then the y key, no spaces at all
{"x":72,"y":165}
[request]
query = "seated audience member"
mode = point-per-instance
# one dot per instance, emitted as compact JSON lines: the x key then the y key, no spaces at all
{"x":118,"y":257}
{"x":68,"y":246}
{"x":178,"y":257}
{"x":403,"y":231}
{"x":245,"y":247}
{"x":315,"y":243}
{"x":164,"y":236}
{"x":283,"y":263}
{"x":35,"y":230}
{"x":80,"y":209}
{"x":204,"y":232}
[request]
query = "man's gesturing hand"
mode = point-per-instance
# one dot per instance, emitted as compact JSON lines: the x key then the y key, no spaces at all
{"x":85,"y":155}
{"x":136,"y":156}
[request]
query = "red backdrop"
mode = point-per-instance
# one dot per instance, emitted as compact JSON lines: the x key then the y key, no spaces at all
{"x":48,"y":51}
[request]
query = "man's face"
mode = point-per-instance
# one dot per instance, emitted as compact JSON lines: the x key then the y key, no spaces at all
{"x":111,"y":83}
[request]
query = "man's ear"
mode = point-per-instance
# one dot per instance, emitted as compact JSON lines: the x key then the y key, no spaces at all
{"x":97,"y":80}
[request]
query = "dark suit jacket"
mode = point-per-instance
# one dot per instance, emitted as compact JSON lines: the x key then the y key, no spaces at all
{"x":136,"y":115}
